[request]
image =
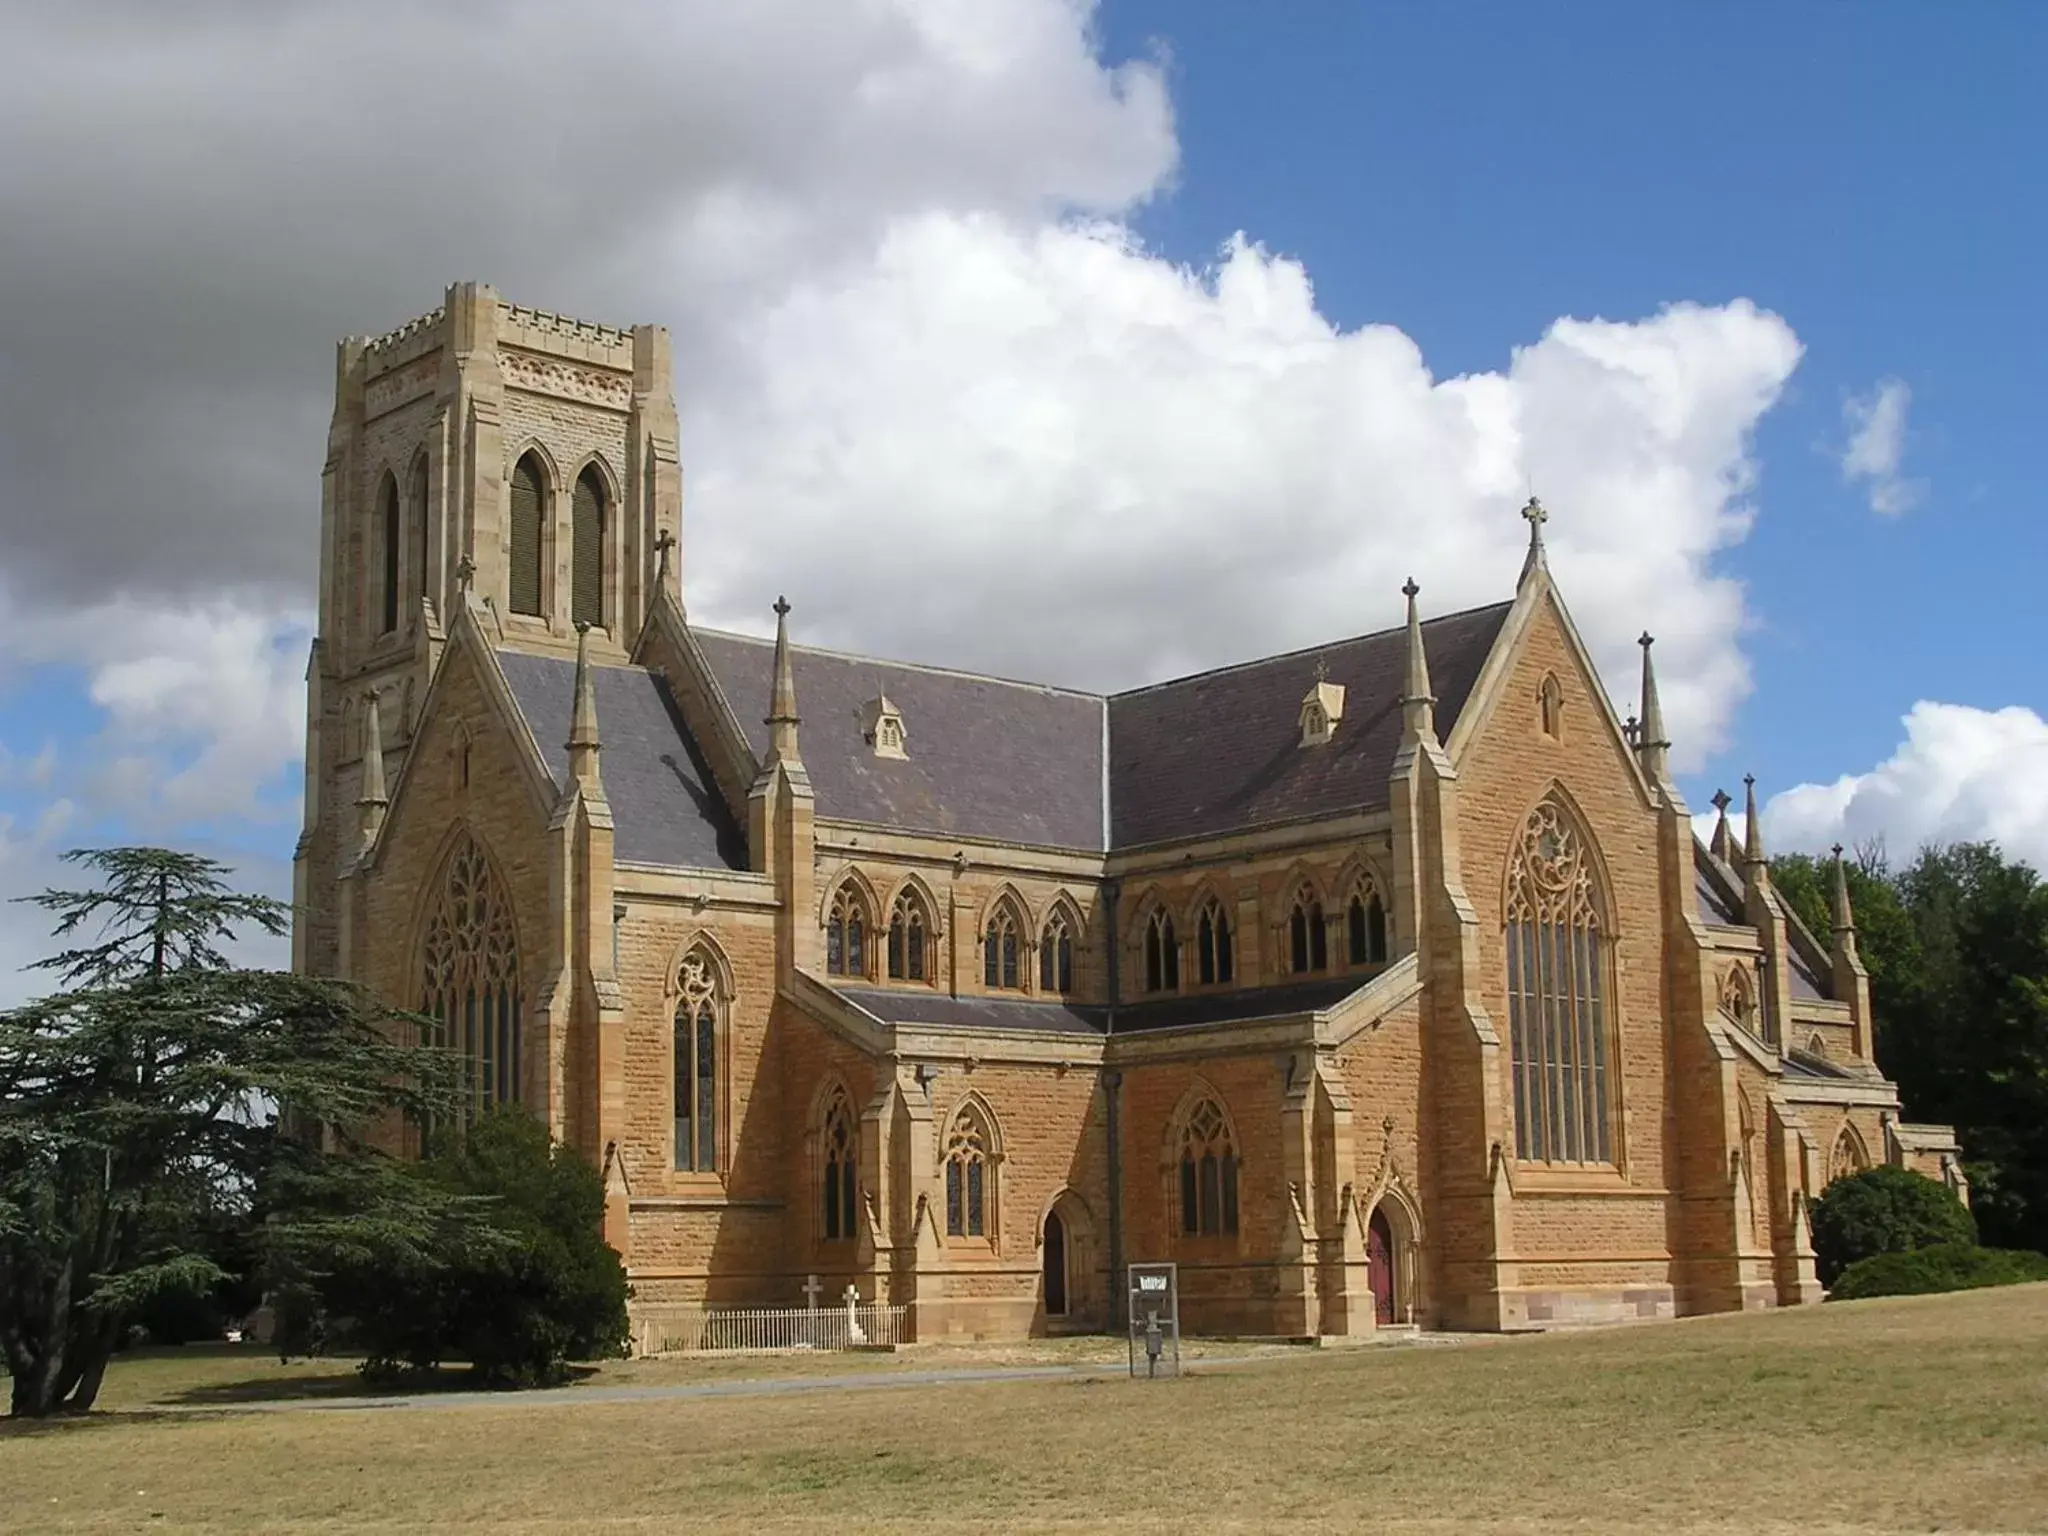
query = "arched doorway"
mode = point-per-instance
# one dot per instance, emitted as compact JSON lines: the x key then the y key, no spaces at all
{"x":1379,"y":1267}
{"x":1054,"y":1252}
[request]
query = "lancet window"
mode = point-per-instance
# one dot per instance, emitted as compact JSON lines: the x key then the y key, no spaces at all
{"x":1557,"y":1014}
{"x":390,"y":540}
{"x":999,"y":946}
{"x":698,"y":1016}
{"x":840,"y":1154}
{"x":1056,"y":955}
{"x":529,"y":509}
{"x":417,"y":497}
{"x":907,"y":938}
{"x":1162,"y":955}
{"x":470,"y":988}
{"x":969,"y":1176}
{"x":846,"y":934}
{"x":1308,"y":939}
{"x":1366,"y":925}
{"x":1208,"y":1174}
{"x":586,"y":549}
{"x":1214,"y":957}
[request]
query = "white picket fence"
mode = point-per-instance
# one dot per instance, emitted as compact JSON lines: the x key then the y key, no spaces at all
{"x":760,"y":1330}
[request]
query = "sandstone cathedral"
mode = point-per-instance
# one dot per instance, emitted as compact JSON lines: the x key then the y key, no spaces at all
{"x":1380,"y":985}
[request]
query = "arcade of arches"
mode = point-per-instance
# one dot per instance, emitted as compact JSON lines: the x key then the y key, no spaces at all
{"x":1380,"y":985}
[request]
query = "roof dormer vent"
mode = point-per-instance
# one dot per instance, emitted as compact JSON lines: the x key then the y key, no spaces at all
{"x":1321,"y":708}
{"x":881,"y":726}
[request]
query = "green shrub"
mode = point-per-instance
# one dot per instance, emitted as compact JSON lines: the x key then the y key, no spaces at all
{"x":539,"y":1288}
{"x":1943,"y":1267}
{"x":1885,"y":1210}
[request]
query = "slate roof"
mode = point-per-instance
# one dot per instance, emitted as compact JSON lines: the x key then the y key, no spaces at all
{"x":1014,"y":762}
{"x":919,"y":1005}
{"x":1024,"y":763}
{"x":1221,"y":750}
{"x":666,"y":808}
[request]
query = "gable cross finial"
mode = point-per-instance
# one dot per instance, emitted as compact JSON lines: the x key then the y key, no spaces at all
{"x":781,"y":607}
{"x":664,"y":547}
{"x":1536,"y":517}
{"x":1322,"y":669}
{"x":465,"y":573}
{"x":1409,"y":589}
{"x":1721,"y":801}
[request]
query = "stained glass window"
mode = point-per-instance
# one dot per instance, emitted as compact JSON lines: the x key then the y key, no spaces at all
{"x":1162,"y":955}
{"x":846,"y":935}
{"x":907,"y":938}
{"x":1309,"y":941}
{"x":1056,"y":956}
{"x":696,"y":1065}
{"x":967,"y":1147}
{"x":841,"y":1182}
{"x":1208,"y":1174}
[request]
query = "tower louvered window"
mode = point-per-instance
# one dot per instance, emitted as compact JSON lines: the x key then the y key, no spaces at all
{"x":1557,"y":959}
{"x":471,"y":984}
{"x":586,"y":550}
{"x":529,"y":505}
{"x":390,"y":542}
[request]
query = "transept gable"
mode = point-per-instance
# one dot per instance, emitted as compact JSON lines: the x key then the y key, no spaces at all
{"x":455,"y":743}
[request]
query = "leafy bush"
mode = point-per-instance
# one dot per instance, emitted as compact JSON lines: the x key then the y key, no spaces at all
{"x":1885,"y":1210}
{"x":1943,"y":1267}
{"x":530,"y":1286}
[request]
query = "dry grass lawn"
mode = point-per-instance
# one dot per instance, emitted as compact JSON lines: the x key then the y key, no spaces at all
{"x":1927,"y":1413}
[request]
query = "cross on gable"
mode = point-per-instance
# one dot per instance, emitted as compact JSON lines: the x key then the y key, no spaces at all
{"x":781,"y":607}
{"x":663,"y":546}
{"x":1535,"y":514}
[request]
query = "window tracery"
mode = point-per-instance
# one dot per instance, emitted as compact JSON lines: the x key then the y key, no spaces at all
{"x":907,"y":938}
{"x":1215,"y":955}
{"x":1208,"y":1174}
{"x":1162,"y":955}
{"x":969,"y":1176}
{"x":1365,"y":925}
{"x":470,"y":983}
{"x":1308,"y":939}
{"x":1056,"y":955}
{"x":846,"y":934}
{"x":840,"y":1181}
{"x":999,"y":949}
{"x":1557,"y":957}
{"x":699,"y":1011}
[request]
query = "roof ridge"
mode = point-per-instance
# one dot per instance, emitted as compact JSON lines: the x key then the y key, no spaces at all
{"x":1309,"y":650}
{"x":862,"y":659}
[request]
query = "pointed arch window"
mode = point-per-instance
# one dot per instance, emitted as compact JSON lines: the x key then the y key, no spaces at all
{"x":969,"y":1176}
{"x":416,"y":497}
{"x":1366,"y":925}
{"x":1308,"y":938}
{"x":1557,"y":1013}
{"x":1550,"y":707}
{"x":846,"y":934}
{"x":1162,"y":955}
{"x":529,"y":516}
{"x":907,"y":938}
{"x":840,"y":1154}
{"x":1214,"y":958}
{"x":470,"y":987}
{"x":586,"y":549}
{"x":999,"y":946}
{"x":390,"y":540}
{"x":1056,"y":955}
{"x":1208,"y":1174}
{"x":699,"y":1011}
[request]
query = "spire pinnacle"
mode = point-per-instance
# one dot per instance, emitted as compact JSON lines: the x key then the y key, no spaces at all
{"x":1723,"y":845}
{"x":1418,"y":703}
{"x":1845,"y":920}
{"x":1752,"y":827}
{"x":583,"y":740}
{"x":1536,"y":518}
{"x":782,"y":716}
{"x":1652,"y":743}
{"x":372,"y":800}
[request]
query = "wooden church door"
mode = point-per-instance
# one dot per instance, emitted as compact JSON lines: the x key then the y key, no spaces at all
{"x":1379,"y":1266}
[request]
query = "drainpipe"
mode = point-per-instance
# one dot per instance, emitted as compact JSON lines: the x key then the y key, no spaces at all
{"x":1112,"y":1088}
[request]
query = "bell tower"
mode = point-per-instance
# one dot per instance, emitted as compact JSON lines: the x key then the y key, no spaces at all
{"x":484,"y":452}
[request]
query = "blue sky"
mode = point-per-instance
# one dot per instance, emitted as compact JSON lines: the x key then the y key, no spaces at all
{"x":1874,"y":173}
{"x":939,"y":271}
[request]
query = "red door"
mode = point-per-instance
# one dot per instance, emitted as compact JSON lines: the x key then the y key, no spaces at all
{"x":1379,"y":1266}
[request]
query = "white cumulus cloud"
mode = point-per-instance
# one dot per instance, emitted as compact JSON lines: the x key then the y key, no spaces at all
{"x":1876,"y":449}
{"x":1961,"y":774}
